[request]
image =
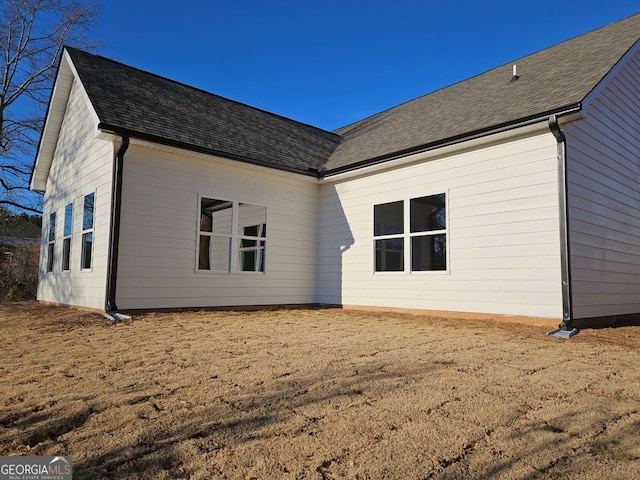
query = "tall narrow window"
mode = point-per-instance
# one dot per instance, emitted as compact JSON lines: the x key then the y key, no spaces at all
{"x":231,"y":236}
{"x":252,"y":231}
{"x":216,"y":217}
{"x":87,"y":231}
{"x":51,"y":242}
{"x":66,"y":240}
{"x":388,"y":230}
{"x":428,"y":233}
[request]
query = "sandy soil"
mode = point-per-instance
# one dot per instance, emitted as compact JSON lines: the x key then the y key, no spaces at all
{"x":320,"y":394}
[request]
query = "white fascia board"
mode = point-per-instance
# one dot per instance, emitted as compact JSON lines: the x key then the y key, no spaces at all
{"x":53,"y":121}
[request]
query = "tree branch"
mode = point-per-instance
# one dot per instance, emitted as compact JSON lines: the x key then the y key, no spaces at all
{"x":20,"y":206}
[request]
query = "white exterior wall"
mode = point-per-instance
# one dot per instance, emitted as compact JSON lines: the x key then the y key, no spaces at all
{"x":603,"y":153}
{"x":81,"y":164}
{"x":503,"y":233}
{"x":157,"y":261}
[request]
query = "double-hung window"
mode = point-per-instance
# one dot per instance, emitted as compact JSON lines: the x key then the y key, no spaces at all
{"x":388,"y":231}
{"x":231,"y":236}
{"x":411,"y":235}
{"x":66,"y":239}
{"x":87,"y":231}
{"x":51,"y":242}
{"x":428,"y":233}
{"x":252,"y":241}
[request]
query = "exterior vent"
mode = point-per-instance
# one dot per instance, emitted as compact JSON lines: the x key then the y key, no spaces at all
{"x":515,"y":76}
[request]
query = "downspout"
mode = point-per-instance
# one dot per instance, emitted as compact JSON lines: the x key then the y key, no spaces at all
{"x":565,"y":329}
{"x":114,"y":236}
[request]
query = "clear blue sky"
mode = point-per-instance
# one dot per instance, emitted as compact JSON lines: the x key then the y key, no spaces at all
{"x":329,"y":63}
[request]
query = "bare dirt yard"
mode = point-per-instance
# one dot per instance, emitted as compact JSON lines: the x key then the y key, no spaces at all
{"x":318,"y":394}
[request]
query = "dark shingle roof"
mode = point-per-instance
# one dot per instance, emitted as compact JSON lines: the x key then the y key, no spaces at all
{"x":159,"y":109}
{"x":551,"y":79}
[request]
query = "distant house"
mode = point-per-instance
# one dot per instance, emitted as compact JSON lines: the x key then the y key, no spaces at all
{"x":25,"y":234}
{"x":515,"y":192}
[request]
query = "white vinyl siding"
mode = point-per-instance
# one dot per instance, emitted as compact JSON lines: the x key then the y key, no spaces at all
{"x":159,"y":230}
{"x":502,"y":229}
{"x":604,"y":199}
{"x":81,"y":164}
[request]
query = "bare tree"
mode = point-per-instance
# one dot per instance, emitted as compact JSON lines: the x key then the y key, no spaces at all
{"x":32,"y":35}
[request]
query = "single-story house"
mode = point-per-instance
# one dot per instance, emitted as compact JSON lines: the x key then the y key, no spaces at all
{"x":515,"y":192}
{"x":25,"y":234}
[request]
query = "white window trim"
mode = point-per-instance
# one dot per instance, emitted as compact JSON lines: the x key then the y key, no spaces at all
{"x":407,"y":235}
{"x":258,"y":239}
{"x":51,"y":243}
{"x":88,"y":230}
{"x":67,"y":237}
{"x":235,"y":237}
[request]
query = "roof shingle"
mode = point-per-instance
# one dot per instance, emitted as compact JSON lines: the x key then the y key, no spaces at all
{"x":153,"y":107}
{"x":550,"y":80}
{"x":162,"y":110}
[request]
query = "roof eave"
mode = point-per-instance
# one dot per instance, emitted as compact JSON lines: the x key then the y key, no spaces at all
{"x":118,"y":130}
{"x":456,"y":139}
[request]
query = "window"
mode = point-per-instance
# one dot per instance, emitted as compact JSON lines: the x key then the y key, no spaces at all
{"x":87,"y":231}
{"x":66,"y":240}
{"x":51,"y":242}
{"x":428,"y":233}
{"x":425,"y":240}
{"x":252,"y":248}
{"x":388,"y":228}
{"x":231,"y":236}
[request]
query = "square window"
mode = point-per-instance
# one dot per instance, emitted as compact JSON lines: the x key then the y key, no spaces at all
{"x":390,"y":255}
{"x":425,"y":242}
{"x":428,"y":213}
{"x":216,"y":216}
{"x":428,"y":252}
{"x":388,"y":218}
{"x":223,"y":224}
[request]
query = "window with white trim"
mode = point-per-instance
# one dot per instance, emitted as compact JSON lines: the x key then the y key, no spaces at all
{"x":231,"y":236}
{"x":66,"y":238}
{"x":51,"y":242}
{"x":87,"y":231}
{"x":388,"y":232}
{"x":425,"y":241}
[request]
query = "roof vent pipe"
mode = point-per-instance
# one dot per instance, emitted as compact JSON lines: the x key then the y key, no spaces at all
{"x":514,"y":76}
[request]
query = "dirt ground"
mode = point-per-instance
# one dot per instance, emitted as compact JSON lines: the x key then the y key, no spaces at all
{"x":318,"y":394}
